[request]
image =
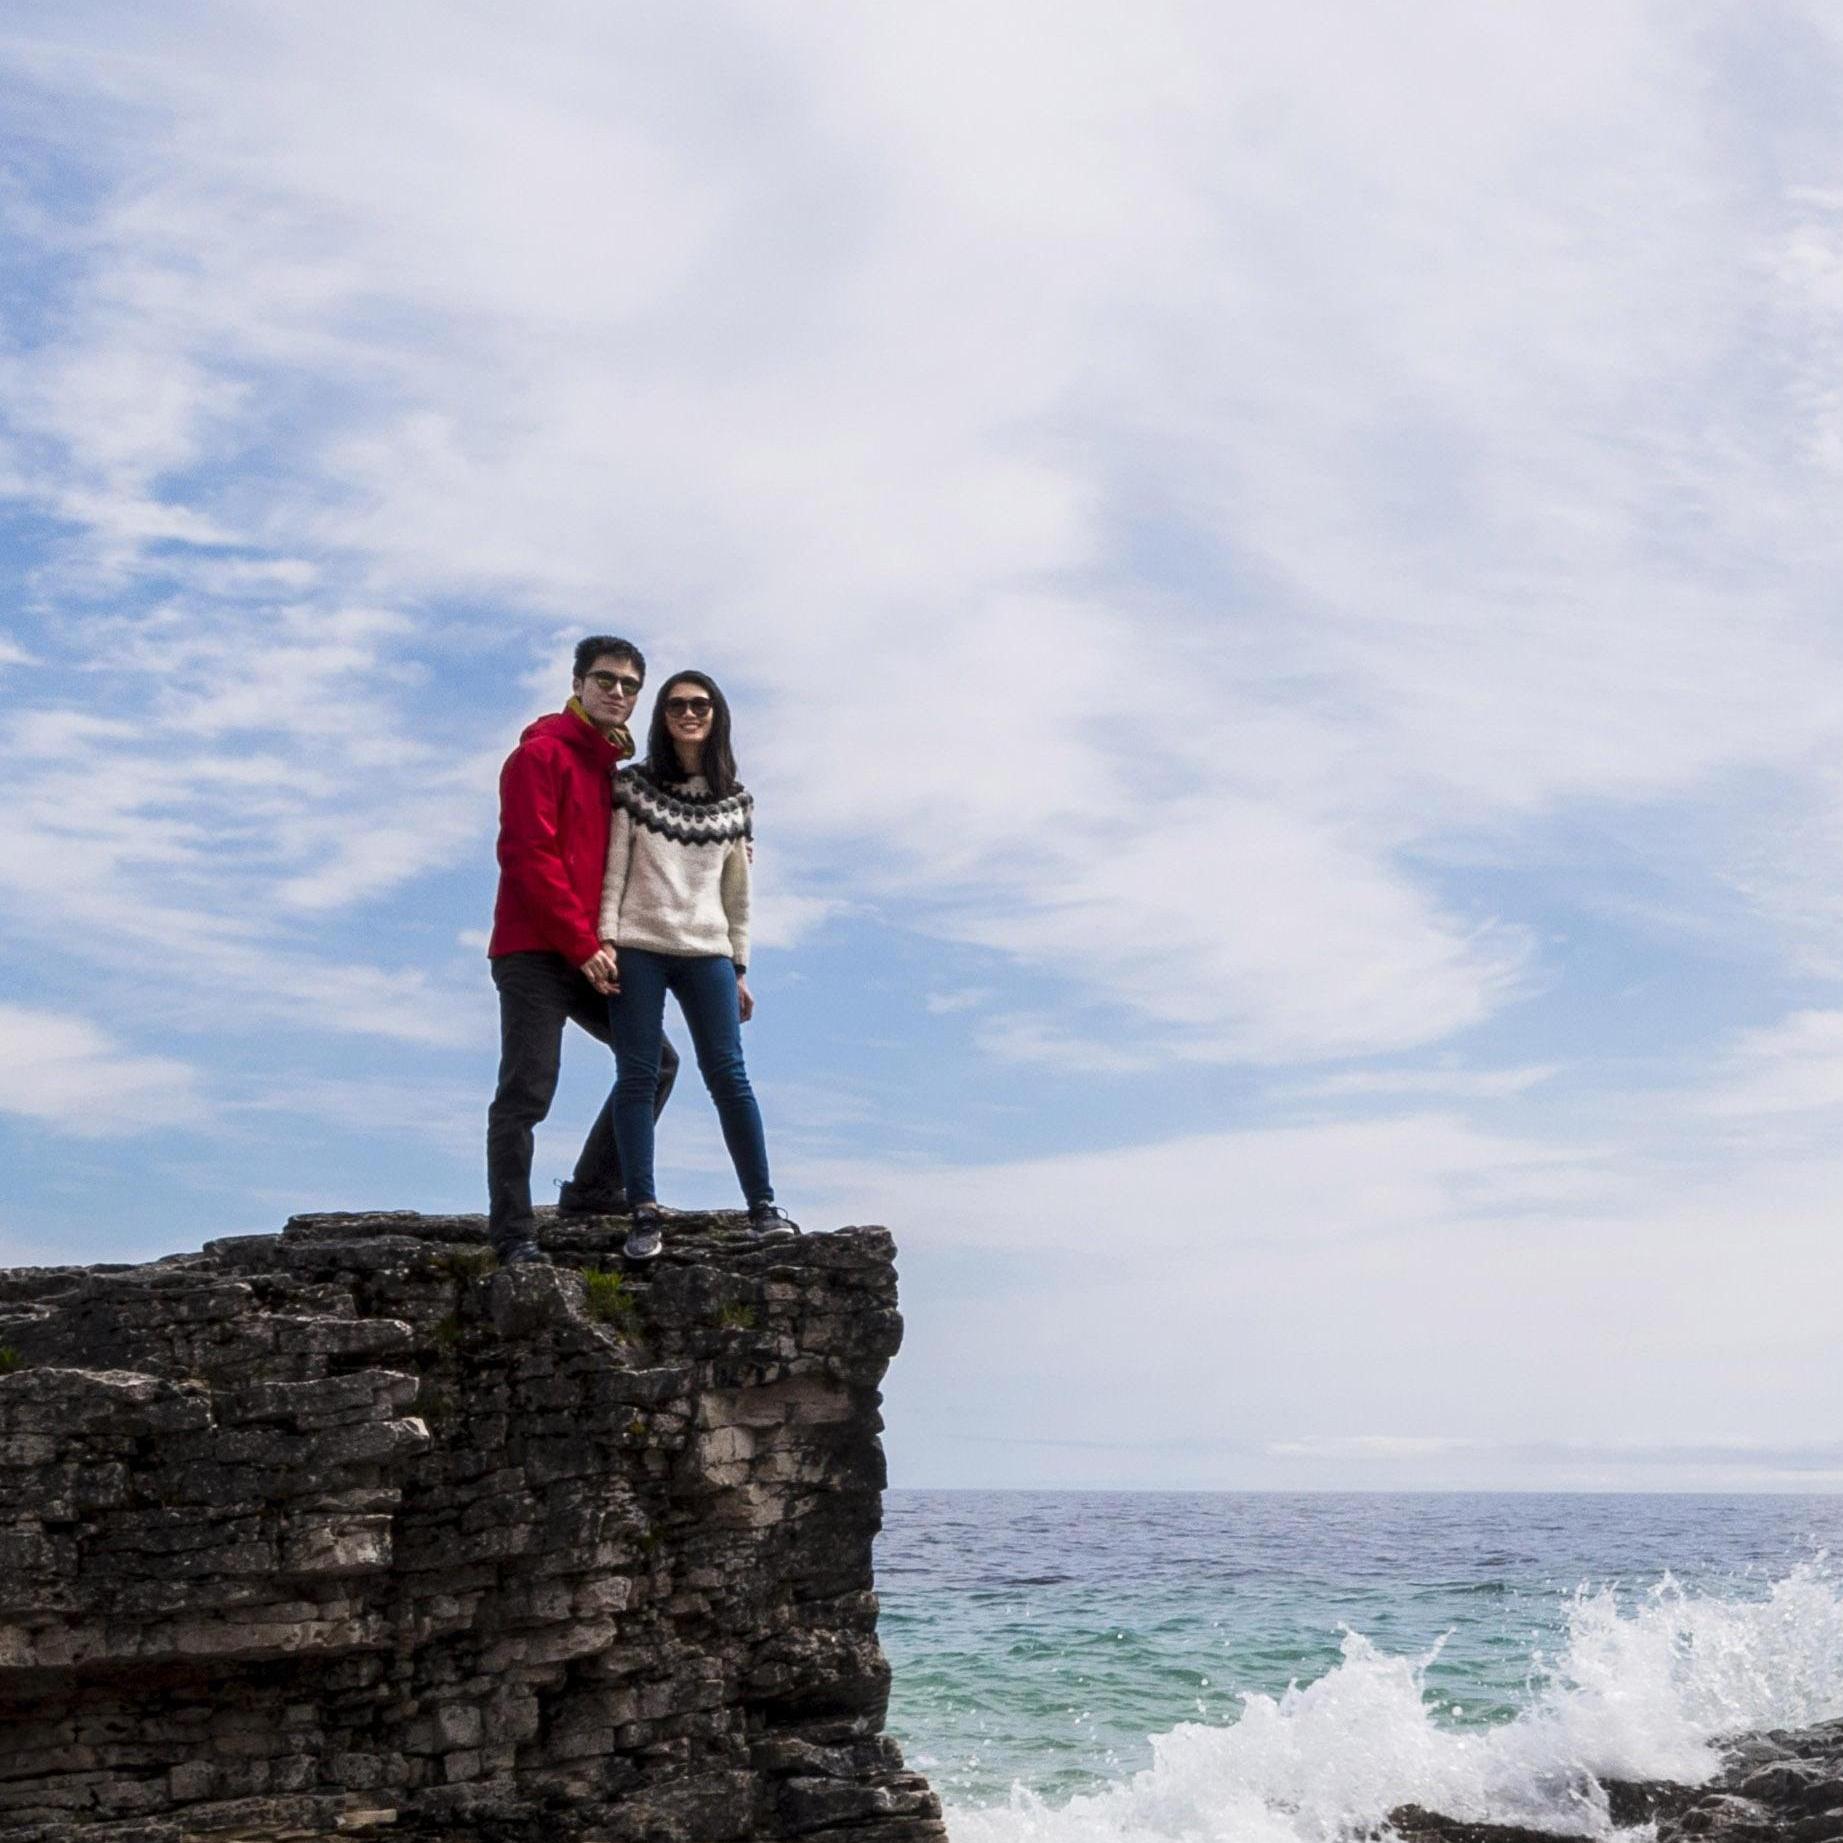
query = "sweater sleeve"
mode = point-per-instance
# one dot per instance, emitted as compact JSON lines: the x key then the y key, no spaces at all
{"x":614,"y":879}
{"x":736,"y":900}
{"x":531,"y":852}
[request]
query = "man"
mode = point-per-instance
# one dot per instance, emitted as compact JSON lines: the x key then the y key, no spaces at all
{"x":556,"y":800}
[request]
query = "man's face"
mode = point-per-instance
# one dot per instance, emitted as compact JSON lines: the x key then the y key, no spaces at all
{"x":608,"y":689}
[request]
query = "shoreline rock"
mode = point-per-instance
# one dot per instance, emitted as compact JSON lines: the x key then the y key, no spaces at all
{"x":1782,"y":1786}
{"x":309,"y":1534}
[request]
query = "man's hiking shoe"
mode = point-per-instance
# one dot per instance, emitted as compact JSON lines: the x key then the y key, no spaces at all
{"x":522,"y":1253}
{"x":575,"y":1199}
{"x":766,"y":1220}
{"x":643,"y":1239}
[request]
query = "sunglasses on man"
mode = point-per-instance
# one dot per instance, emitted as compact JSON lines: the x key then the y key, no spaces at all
{"x":615,"y":681}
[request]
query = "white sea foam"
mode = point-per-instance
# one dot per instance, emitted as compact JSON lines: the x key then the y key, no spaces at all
{"x":1637,"y":1692}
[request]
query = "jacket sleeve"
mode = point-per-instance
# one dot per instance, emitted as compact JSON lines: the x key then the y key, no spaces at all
{"x":614,"y":880}
{"x":735,"y":886}
{"x":531,"y":853}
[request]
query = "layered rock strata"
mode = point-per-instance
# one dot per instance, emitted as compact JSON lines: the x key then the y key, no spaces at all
{"x":314,"y":1533}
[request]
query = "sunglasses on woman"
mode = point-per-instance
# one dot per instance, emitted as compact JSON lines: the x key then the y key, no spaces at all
{"x":688,"y":707}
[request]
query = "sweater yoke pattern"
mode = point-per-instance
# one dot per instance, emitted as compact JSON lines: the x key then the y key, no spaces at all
{"x":685,"y":818}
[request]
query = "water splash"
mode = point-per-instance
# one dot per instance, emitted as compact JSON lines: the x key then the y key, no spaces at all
{"x":1636,"y":1692}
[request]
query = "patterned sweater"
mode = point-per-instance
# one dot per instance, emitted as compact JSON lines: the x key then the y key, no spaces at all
{"x":678,"y":868}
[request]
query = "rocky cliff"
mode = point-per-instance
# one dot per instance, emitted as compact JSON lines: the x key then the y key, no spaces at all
{"x":313,"y":1533}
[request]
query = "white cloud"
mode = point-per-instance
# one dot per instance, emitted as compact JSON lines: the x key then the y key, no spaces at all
{"x":1825,"y":1456}
{"x":1019,"y":1037}
{"x":1271,"y":1187}
{"x":1432,"y":1460}
{"x":445,"y":1115}
{"x":1182,"y":500}
{"x":66,"y":1073}
{"x":1444,"y":395}
{"x":1440,"y":1082}
{"x":1782,"y":1084}
{"x":218,"y":793}
{"x":781,"y":917}
{"x":1235,"y":1309}
{"x":1378,"y":1446}
{"x":964,"y":998}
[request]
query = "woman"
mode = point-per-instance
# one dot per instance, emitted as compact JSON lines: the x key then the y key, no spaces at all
{"x":675,"y":918}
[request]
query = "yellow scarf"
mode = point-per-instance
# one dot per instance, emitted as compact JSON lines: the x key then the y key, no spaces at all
{"x":620,"y":735}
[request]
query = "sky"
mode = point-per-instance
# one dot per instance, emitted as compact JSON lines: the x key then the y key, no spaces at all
{"x":1278,"y":571}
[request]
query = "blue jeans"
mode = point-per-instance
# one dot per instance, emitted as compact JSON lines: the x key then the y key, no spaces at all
{"x":705,"y":986}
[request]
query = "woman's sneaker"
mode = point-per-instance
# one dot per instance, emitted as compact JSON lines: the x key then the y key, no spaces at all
{"x":644,"y":1240}
{"x":765,"y":1219}
{"x":522,"y":1252}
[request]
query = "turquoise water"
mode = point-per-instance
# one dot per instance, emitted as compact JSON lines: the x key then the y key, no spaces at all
{"x":1191,"y":1666}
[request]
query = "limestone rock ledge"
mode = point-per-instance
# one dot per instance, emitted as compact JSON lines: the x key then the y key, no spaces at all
{"x":312,"y":1534}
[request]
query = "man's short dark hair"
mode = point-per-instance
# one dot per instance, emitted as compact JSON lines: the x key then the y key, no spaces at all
{"x":599,"y":645}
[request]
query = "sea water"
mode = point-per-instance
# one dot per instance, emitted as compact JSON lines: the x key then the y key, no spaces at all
{"x":1279,"y":1668}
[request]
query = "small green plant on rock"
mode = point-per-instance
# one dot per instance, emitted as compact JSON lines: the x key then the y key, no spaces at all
{"x":736,"y":1317}
{"x":447,"y":1332}
{"x":470,"y":1263}
{"x":611,"y":1299}
{"x":10,"y":1360}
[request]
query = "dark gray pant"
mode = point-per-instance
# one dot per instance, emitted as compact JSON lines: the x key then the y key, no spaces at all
{"x":538,"y":994}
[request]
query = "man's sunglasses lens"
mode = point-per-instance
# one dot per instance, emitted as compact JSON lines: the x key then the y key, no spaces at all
{"x":617,"y":681}
{"x":688,"y":707}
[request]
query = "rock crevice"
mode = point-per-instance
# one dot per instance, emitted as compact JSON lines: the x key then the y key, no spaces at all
{"x":313,"y":1533}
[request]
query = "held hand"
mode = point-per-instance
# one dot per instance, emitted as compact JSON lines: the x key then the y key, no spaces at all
{"x":745,"y":999}
{"x":603,"y":970}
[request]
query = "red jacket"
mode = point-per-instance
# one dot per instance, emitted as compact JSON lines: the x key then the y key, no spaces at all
{"x":556,"y":800}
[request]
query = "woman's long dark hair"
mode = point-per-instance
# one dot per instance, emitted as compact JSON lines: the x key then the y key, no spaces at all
{"x":719,"y":762}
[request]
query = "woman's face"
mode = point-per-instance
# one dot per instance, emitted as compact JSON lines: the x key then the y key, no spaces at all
{"x":688,"y":712}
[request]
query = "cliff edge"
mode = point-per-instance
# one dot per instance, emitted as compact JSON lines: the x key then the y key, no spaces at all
{"x":314,"y":1534}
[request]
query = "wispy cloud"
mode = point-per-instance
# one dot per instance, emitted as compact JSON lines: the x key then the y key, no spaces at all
{"x":443,"y":1116}
{"x":1384,"y":1448}
{"x":966,"y":998}
{"x":1416,"y":1291}
{"x":1434,"y":1083}
{"x":1789,"y":1068}
{"x":1021,"y":1037}
{"x":232,"y":776}
{"x":1301,"y":559}
{"x":69,"y":1074}
{"x":1456,"y":514}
